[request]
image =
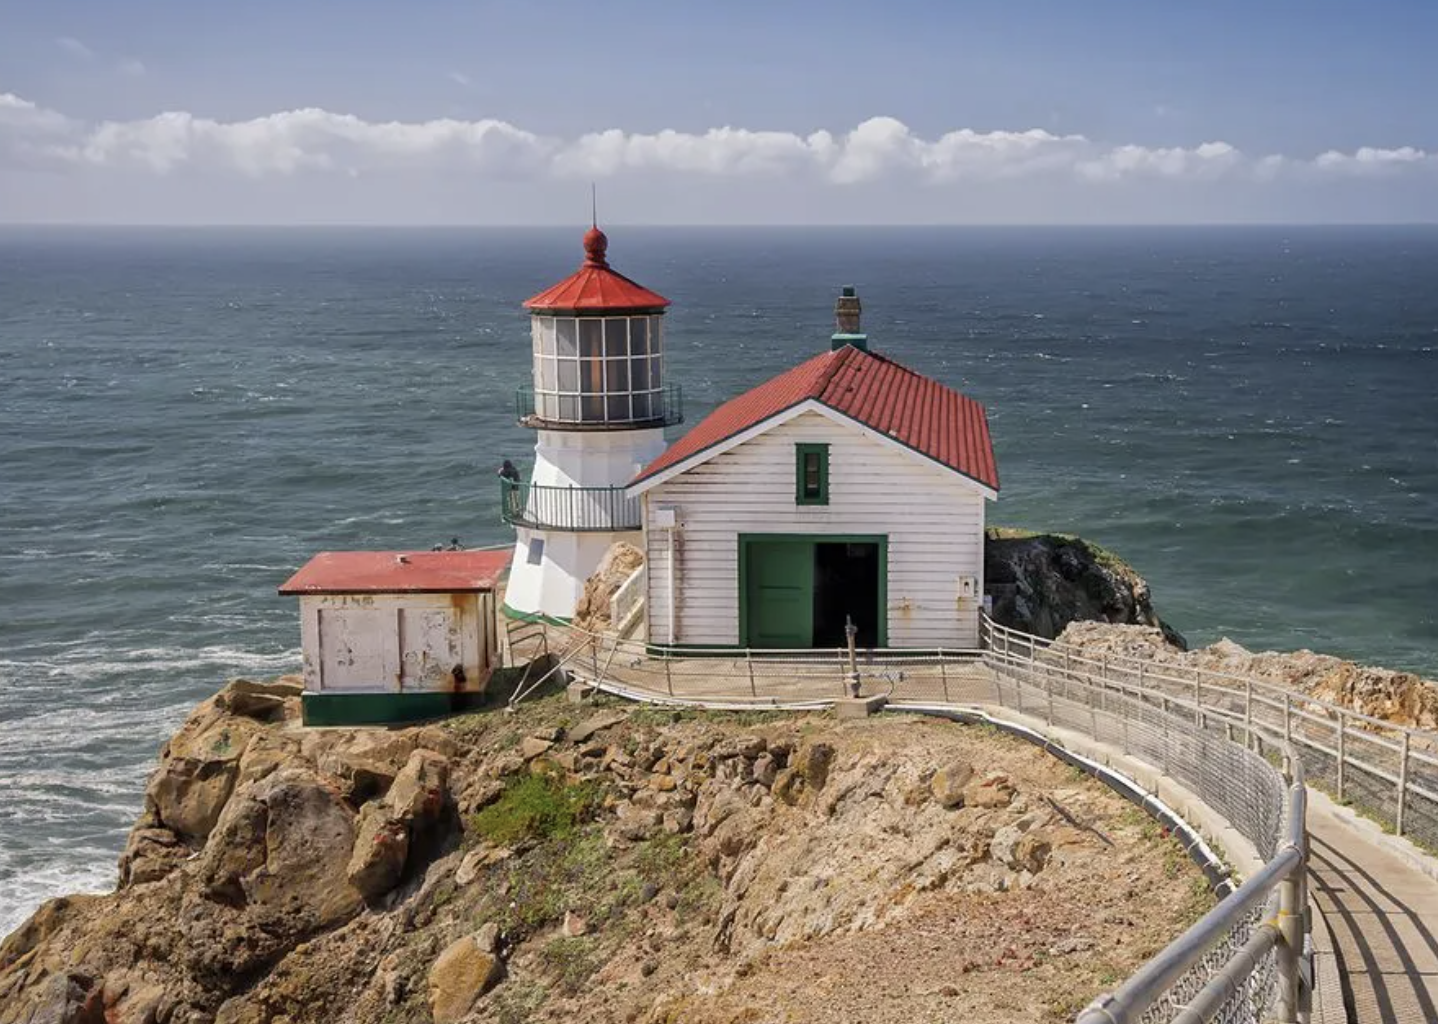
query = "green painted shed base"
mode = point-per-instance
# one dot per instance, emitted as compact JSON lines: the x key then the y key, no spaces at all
{"x":382,"y":708}
{"x":516,"y":614}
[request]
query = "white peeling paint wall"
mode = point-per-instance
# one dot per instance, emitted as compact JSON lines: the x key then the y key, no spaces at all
{"x":934,"y":520}
{"x":396,"y":643}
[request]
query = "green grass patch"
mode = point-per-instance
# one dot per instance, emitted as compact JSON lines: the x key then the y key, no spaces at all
{"x":571,"y":962}
{"x":662,"y":860}
{"x":517,"y":1001}
{"x":536,"y":807}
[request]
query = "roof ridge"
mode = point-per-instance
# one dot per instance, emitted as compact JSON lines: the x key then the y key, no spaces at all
{"x":831,"y":371}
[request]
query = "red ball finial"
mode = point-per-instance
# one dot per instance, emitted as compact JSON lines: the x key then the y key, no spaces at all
{"x":595,"y":245}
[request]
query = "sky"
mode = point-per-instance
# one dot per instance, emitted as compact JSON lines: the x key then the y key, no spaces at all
{"x":738,"y":112}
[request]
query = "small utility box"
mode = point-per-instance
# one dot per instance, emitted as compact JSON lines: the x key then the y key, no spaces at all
{"x":394,"y":636}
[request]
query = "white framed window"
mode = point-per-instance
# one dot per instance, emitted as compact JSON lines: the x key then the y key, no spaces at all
{"x":598,"y":369}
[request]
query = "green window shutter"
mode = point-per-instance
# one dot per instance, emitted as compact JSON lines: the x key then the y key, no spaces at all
{"x":811,"y":474}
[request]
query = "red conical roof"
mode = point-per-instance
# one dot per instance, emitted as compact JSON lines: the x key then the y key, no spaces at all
{"x":594,"y":287}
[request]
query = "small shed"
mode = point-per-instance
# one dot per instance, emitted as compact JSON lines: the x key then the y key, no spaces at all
{"x":394,"y":636}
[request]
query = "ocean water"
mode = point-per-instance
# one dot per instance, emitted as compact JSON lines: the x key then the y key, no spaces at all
{"x":1249,"y":415}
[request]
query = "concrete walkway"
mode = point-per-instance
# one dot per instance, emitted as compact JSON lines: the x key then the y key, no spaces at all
{"x":1382,"y":913}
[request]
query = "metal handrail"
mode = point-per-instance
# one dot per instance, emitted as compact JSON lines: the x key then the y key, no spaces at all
{"x":661,"y":406}
{"x":1281,"y":882}
{"x":1300,"y":719}
{"x":577,"y":509}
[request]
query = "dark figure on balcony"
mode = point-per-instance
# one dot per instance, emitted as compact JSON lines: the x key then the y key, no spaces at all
{"x":513,"y":499}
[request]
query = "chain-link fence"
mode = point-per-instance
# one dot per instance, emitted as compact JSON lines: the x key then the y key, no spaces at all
{"x":1388,"y":772}
{"x":1227,"y":967}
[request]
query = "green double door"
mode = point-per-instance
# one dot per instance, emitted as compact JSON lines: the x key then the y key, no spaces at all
{"x":798,"y":591}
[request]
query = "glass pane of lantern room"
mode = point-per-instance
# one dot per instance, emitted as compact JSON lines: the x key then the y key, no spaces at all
{"x":548,"y":374}
{"x":544,"y":335}
{"x":616,"y":337}
{"x":591,"y":338}
{"x":568,"y":375}
{"x":639,"y":373}
{"x":639,"y":335}
{"x":618,"y":372}
{"x":567,"y":332}
{"x":618,"y":408}
{"x":656,"y":335}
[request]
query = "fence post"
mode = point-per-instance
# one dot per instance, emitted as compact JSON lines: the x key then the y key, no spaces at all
{"x":1049,"y":693}
{"x":1288,"y":950}
{"x":1342,"y":754}
{"x":1402,"y":785}
{"x":1248,"y":712}
{"x":668,"y":675}
{"x":1197,"y":698}
{"x":1287,"y":717}
{"x":943,"y":675}
{"x":749,"y":661}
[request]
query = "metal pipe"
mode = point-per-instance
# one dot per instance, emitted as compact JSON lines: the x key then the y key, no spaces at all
{"x":673,"y":584}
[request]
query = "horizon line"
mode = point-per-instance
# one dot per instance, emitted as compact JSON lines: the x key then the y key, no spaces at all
{"x":549,"y":226}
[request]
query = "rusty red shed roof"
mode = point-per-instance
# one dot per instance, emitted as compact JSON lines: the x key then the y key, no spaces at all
{"x":903,"y":405}
{"x":398,"y":572}
{"x":595,"y":287}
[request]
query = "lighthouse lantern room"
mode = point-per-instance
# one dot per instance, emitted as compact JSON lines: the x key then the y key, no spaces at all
{"x":599,"y":405}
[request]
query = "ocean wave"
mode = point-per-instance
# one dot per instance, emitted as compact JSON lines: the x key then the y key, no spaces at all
{"x":88,"y":664}
{"x":23,"y":890}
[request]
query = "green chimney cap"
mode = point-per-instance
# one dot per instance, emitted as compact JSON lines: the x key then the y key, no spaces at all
{"x":859,"y":341}
{"x":847,"y":291}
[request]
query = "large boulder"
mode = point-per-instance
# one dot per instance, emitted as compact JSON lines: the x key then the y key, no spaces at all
{"x":381,"y":846}
{"x":286,"y":846}
{"x":618,"y":564}
{"x":150,"y":854}
{"x":460,"y":975}
{"x":1041,"y":582}
{"x":947,"y":785}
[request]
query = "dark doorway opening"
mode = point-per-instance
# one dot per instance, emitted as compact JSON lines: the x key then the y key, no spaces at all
{"x":846,"y":586}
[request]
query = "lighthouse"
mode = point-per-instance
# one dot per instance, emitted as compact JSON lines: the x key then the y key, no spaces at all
{"x":598,"y":404}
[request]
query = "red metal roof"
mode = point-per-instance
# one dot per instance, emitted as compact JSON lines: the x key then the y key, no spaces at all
{"x":398,"y":572}
{"x":871,"y":389}
{"x":594,"y":287}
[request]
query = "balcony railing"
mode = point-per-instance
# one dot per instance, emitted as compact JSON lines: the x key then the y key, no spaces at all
{"x":579,"y":509}
{"x":662,"y":407}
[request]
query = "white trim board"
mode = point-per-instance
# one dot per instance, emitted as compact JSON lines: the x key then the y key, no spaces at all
{"x":784,"y":416}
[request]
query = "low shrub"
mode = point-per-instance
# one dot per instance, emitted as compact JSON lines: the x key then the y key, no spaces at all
{"x":536,"y":807}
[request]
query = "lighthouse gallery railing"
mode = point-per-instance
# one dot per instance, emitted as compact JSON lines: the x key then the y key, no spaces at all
{"x":580,"y":509}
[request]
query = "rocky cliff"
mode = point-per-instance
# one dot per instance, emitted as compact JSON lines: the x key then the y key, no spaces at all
{"x":602,"y":863}
{"x":1041,"y":582}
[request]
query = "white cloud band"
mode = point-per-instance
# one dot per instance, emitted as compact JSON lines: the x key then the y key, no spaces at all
{"x":313,"y":140}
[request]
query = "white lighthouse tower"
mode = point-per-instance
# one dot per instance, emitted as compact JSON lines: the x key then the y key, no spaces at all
{"x":599,"y":404}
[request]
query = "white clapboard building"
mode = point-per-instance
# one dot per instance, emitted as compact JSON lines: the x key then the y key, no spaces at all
{"x":847,"y":488}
